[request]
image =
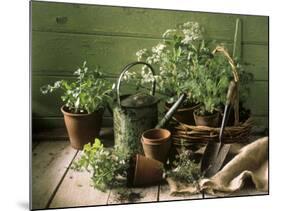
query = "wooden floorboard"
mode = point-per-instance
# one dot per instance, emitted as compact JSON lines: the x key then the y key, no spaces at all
{"x":49,"y":163}
{"x":76,"y":190}
{"x":148,"y":194}
{"x":54,"y":185}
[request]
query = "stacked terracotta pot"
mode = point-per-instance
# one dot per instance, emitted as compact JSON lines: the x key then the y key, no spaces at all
{"x":156,"y":144}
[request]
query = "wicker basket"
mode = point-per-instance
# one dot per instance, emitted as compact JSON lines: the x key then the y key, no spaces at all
{"x":184,"y":134}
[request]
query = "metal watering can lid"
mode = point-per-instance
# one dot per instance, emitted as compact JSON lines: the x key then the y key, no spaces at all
{"x":139,"y":99}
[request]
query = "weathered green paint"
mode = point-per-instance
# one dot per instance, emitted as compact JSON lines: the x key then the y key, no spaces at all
{"x":63,"y":52}
{"x":95,"y":19}
{"x":64,"y":35}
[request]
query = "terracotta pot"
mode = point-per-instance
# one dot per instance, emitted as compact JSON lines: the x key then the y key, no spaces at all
{"x":147,"y":171}
{"x":156,"y":136}
{"x":185,"y":113}
{"x":156,"y":144}
{"x":210,"y":120}
{"x":82,"y":128}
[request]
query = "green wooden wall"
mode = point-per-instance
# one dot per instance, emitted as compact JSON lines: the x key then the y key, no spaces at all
{"x":64,"y":35}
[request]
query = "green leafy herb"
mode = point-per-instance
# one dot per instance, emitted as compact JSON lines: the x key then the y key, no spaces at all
{"x":184,"y":170}
{"x":89,"y":92}
{"x":108,"y":167}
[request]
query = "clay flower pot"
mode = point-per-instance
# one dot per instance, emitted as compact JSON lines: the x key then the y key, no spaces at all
{"x":156,"y":144}
{"x":147,"y":171}
{"x":82,"y":128}
{"x":184,"y":114}
{"x":210,"y":120}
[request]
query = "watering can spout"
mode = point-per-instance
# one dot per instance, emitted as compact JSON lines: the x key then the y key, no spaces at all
{"x":171,"y":111}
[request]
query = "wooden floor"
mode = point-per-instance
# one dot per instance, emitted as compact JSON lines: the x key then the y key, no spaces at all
{"x":55,"y":185}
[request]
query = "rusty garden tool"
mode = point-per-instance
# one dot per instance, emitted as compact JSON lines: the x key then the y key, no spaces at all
{"x":216,"y":152}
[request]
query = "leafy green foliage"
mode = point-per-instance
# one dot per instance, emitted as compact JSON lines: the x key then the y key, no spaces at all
{"x":88,"y":93}
{"x":246,"y":79}
{"x":212,"y":81}
{"x":108,"y":168}
{"x":184,"y":170}
{"x":173,"y":57}
{"x":186,"y":64}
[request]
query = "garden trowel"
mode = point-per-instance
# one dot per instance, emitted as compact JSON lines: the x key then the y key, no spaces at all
{"x":215,"y":152}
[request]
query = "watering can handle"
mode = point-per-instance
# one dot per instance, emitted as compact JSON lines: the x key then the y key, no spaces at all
{"x":125,"y":69}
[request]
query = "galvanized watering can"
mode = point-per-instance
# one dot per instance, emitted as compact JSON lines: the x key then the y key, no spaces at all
{"x":137,"y":113}
{"x":134,"y":114}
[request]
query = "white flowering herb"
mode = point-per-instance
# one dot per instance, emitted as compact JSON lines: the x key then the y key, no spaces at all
{"x":173,"y":60}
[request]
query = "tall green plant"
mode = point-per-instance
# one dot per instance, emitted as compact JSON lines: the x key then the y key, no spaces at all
{"x":212,"y":80}
{"x":89,"y":91}
{"x":173,"y":57}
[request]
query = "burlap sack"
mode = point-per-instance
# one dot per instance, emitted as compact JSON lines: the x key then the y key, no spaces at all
{"x":251,"y":163}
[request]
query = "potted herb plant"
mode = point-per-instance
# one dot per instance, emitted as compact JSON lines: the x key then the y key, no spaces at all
{"x":84,"y":101}
{"x":213,"y":77}
{"x":117,"y":167}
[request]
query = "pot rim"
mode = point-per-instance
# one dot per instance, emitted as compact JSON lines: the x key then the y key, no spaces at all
{"x":183,"y":109}
{"x":155,"y":143}
{"x":73,"y":114}
{"x":157,"y":139}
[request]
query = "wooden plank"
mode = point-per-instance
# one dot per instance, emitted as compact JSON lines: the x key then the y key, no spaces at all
{"x":63,"y":52}
{"x":58,"y":134}
{"x":148,"y":194}
{"x":50,"y":161}
{"x":255,"y":58}
{"x":258,"y":99}
{"x":164,"y":195}
{"x":46,"y":123}
{"x":76,"y":190}
{"x":78,"y":18}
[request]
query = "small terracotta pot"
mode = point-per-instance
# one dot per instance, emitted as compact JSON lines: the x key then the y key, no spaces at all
{"x":156,"y":144}
{"x":185,"y":113}
{"x":156,"y":136}
{"x":147,"y":171}
{"x":210,"y":120}
{"x":82,"y":128}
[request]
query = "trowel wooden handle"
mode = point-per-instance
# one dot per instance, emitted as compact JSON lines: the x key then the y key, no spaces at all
{"x":170,"y":113}
{"x":231,"y":93}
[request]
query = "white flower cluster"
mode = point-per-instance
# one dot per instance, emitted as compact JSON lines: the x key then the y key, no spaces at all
{"x":147,"y":76}
{"x":141,"y":53}
{"x":129,"y":76}
{"x":191,"y":31}
{"x":168,"y":33}
{"x":157,"y":52}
